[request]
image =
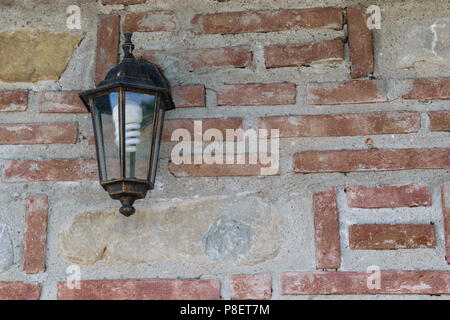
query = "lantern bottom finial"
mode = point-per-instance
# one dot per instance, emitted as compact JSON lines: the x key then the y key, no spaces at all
{"x":127,"y":208}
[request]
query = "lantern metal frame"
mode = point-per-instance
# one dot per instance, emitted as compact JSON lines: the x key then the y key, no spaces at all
{"x":131,"y":75}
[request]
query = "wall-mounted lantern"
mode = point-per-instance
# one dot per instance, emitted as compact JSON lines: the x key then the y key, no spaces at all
{"x":127,"y":110}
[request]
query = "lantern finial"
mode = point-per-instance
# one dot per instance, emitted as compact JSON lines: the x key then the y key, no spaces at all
{"x":127,"y":208}
{"x":128,"y":46}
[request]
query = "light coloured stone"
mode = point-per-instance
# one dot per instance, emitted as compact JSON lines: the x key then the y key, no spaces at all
{"x":87,"y":239}
{"x":241,"y":230}
{"x":6,"y":248}
{"x":33,"y":56}
{"x":426,"y":43}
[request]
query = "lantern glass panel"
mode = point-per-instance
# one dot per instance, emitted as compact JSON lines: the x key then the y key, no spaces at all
{"x":158,"y":128}
{"x":139,"y":120}
{"x":108,"y":153}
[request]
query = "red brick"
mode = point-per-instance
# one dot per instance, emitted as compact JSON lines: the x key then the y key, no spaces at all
{"x":428,"y":89}
{"x":107,"y":53}
{"x":334,"y":125}
{"x":326,"y":225}
{"x":392,"y":282}
{"x":197,"y":59}
{"x":371,"y":160}
{"x":231,"y":57}
{"x":52,"y":2}
{"x":223,"y":170}
{"x":142,"y":289}
{"x":38,"y":133}
{"x":445,"y":193}
{"x":13,"y":101}
{"x":189,"y":96}
{"x":256,"y":94}
{"x":150,"y":21}
{"x":251,"y":287}
{"x":60,"y":102}
{"x":35,"y":237}
{"x":439,"y":120}
{"x":91,"y":138}
{"x":6,"y":3}
{"x":360,"y":43}
{"x":49,"y":170}
{"x":221,"y":124}
{"x":363,"y":91}
{"x":19,"y":290}
{"x":389,"y":196}
{"x":298,"y":55}
{"x":124,"y":2}
{"x":267,"y":20}
{"x":154,"y":56}
{"x":391,"y":236}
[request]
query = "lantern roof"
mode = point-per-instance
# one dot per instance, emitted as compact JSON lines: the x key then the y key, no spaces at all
{"x":134,"y":73}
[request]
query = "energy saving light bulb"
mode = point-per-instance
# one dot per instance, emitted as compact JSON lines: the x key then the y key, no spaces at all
{"x":133,"y":120}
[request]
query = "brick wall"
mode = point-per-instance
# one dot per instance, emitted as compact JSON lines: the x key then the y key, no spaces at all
{"x":364,"y":177}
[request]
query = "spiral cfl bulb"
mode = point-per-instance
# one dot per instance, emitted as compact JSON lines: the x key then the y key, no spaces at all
{"x":133,"y":120}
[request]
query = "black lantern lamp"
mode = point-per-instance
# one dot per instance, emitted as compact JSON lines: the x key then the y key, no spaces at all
{"x":127,"y":111}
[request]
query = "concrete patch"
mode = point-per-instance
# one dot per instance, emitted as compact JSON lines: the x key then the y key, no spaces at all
{"x":228,"y":239}
{"x":426,"y":43}
{"x":6,"y":248}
